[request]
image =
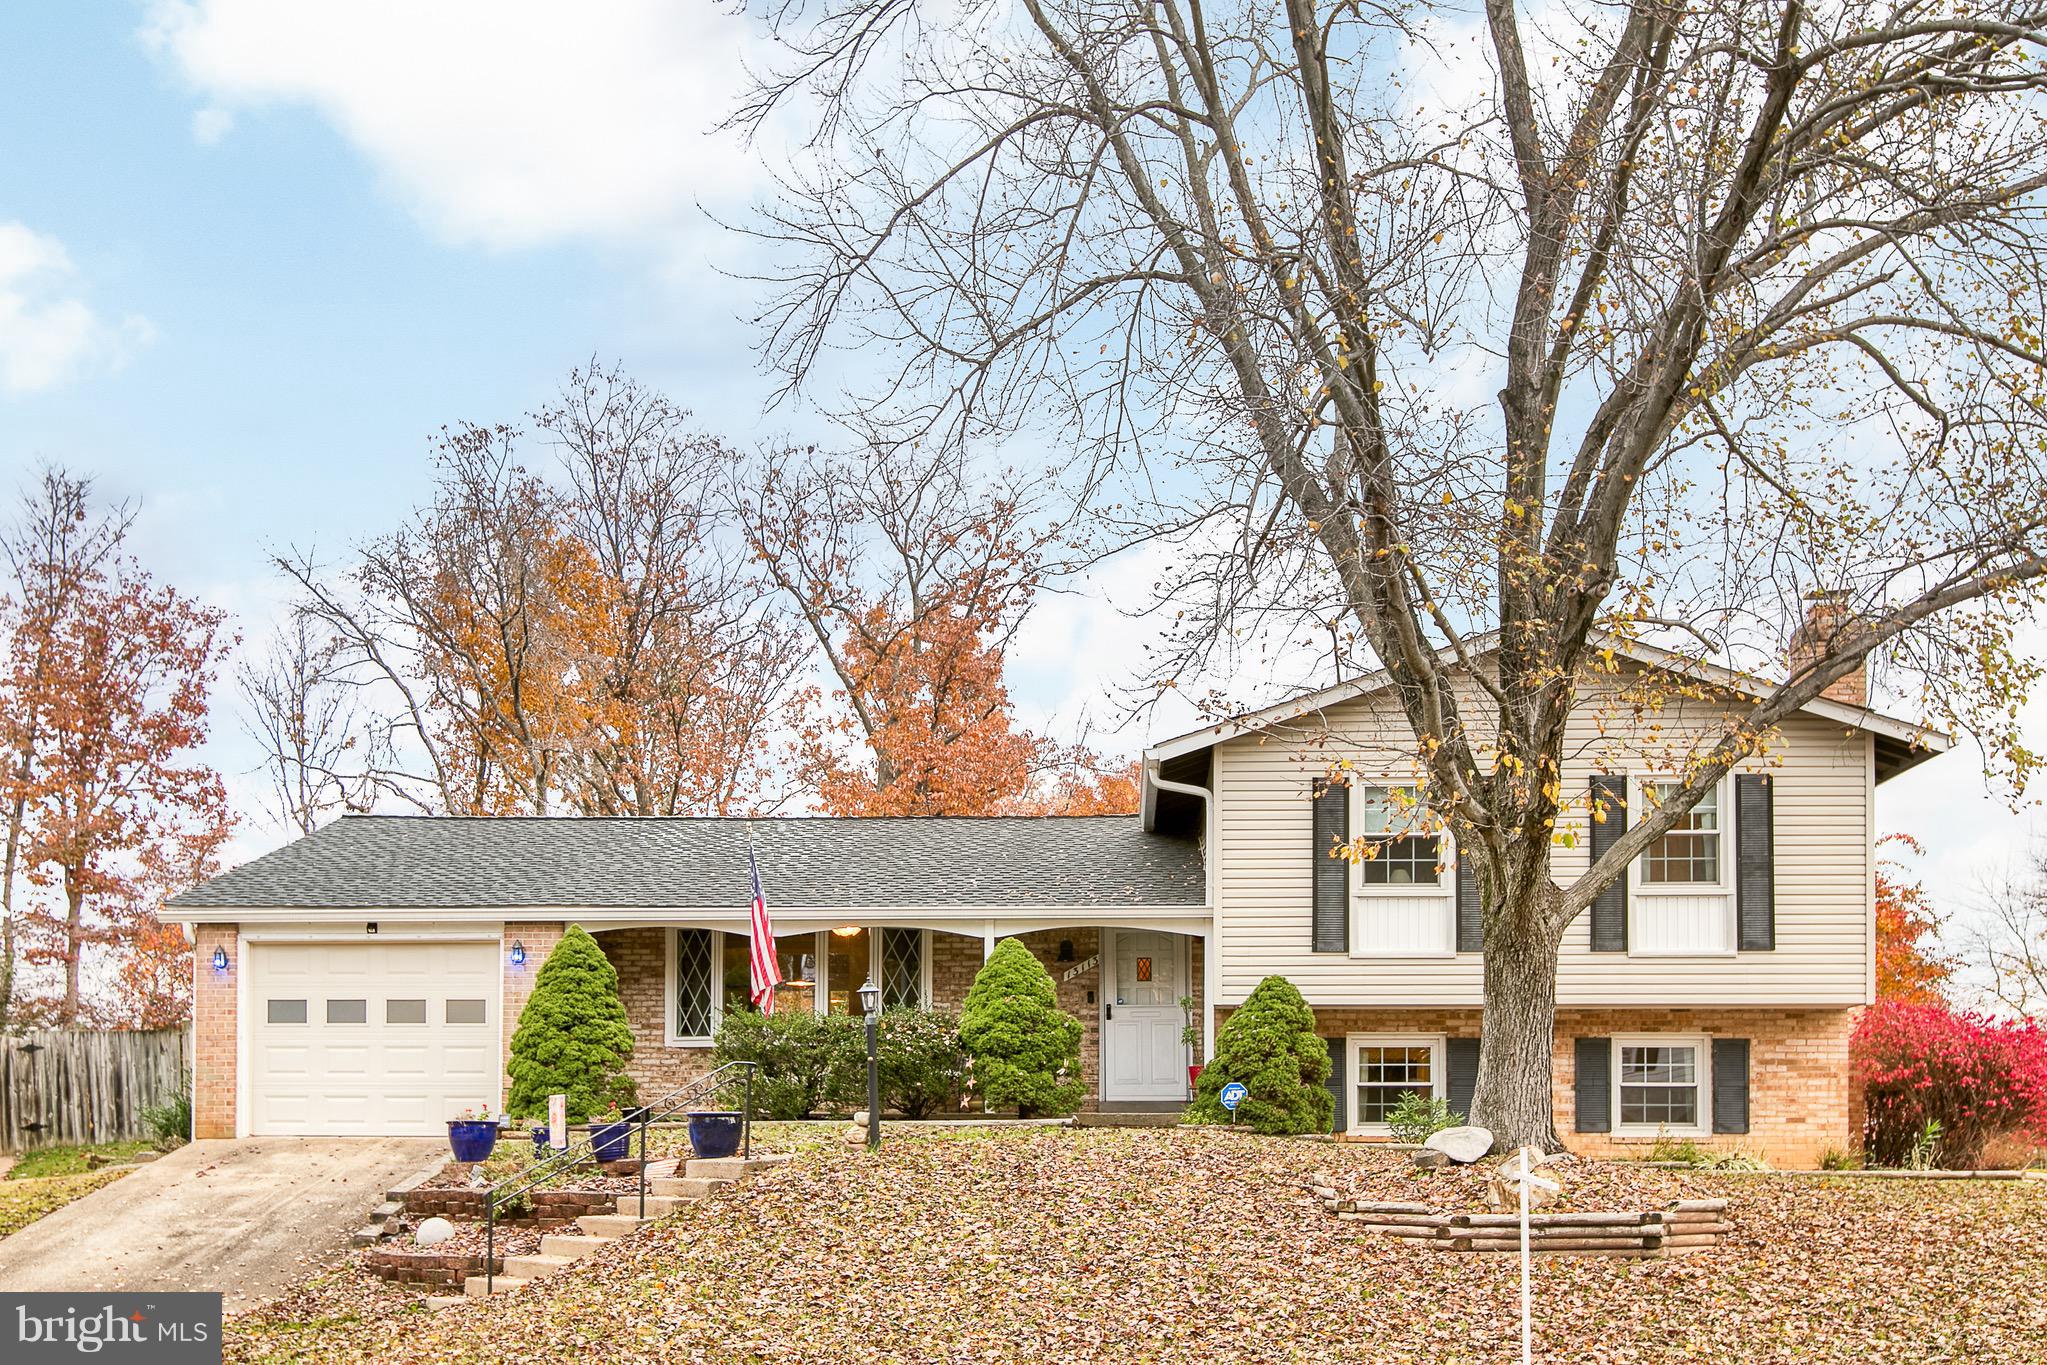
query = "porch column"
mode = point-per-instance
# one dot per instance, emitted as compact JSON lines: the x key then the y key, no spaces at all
{"x":987,"y":939}
{"x":1210,"y":976}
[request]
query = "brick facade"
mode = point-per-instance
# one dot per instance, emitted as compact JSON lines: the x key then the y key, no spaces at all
{"x":539,"y":936}
{"x":641,"y":959}
{"x":214,"y":1012}
{"x":1798,"y":1069}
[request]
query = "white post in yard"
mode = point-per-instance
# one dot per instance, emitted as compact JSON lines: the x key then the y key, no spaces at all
{"x":987,"y":939}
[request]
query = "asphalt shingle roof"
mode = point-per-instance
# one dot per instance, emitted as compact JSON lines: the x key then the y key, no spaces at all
{"x":451,"y":862}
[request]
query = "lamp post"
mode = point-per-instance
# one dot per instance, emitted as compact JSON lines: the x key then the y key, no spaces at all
{"x":870,"y":1004}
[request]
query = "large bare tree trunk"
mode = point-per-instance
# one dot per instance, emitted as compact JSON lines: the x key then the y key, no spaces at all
{"x":1518,"y":1030}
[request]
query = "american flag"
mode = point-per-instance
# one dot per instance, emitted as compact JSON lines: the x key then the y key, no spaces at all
{"x":767,"y":972}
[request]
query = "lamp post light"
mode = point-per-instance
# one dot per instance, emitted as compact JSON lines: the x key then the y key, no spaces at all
{"x":870,"y":1004}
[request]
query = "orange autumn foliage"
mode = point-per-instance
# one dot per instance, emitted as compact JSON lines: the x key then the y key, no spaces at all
{"x":1909,"y":967}
{"x":120,"y":811}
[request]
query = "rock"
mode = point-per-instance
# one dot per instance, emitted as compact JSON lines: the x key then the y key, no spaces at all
{"x":1429,"y":1159}
{"x":1462,"y":1145}
{"x":860,"y":1118}
{"x":433,"y":1232}
{"x":94,"y":1160}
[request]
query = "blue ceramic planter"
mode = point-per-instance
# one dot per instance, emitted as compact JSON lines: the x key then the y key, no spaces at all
{"x":715,"y":1133}
{"x":472,"y":1139}
{"x":611,"y":1141}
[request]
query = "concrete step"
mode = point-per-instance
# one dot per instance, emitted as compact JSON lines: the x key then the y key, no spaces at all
{"x":536,"y":1267}
{"x":658,"y":1205}
{"x":728,"y":1167}
{"x":367,"y":1235}
{"x":445,"y":1300}
{"x":386,"y":1211}
{"x":502,"y":1284}
{"x":569,"y":1245}
{"x":608,"y":1225}
{"x":685,"y":1187}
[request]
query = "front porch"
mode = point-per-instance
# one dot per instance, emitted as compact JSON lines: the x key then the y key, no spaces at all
{"x":1124,"y":983}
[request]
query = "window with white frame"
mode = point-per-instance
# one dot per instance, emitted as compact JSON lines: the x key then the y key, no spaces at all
{"x":1688,"y":854}
{"x":1660,"y":1084}
{"x":1403,"y":840}
{"x":1386,"y":1069}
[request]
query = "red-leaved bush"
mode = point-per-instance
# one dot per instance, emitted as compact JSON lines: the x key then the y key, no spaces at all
{"x":1977,"y":1077}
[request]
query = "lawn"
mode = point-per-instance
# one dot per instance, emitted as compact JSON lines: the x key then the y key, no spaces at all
{"x":24,"y":1201}
{"x":1152,"y":1245}
{"x":48,"y":1161}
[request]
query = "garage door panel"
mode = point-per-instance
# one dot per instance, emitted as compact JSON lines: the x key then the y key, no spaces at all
{"x":375,"y":1053}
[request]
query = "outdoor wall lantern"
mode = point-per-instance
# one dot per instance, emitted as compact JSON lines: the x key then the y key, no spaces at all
{"x":220,"y":959}
{"x":518,"y":953}
{"x":1066,"y":950}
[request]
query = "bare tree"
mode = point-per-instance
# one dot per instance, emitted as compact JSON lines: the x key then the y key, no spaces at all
{"x":62,"y":542}
{"x":321,"y":751}
{"x":600,"y":641}
{"x":2008,"y":937}
{"x":1478,"y":336}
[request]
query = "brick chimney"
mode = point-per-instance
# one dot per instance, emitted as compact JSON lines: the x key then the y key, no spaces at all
{"x":1826,"y":615}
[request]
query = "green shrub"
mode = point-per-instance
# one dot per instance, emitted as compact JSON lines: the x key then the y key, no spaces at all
{"x":806,"y":1062}
{"x":1268,"y":1045}
{"x":921,"y":1064}
{"x":1834,"y":1159}
{"x":1679,"y":1151}
{"x":1023,"y":1050}
{"x":170,"y":1123}
{"x":572,"y":1038}
{"x":1416,"y":1116}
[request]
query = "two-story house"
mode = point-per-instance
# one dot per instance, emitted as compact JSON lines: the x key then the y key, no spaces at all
{"x":367,"y":978}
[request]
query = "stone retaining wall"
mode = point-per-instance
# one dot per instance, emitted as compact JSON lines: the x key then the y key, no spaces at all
{"x":551,"y":1208}
{"x":1680,"y":1227}
{"x":427,"y":1267}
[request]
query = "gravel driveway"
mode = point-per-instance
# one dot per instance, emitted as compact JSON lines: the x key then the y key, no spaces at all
{"x":245,"y":1218}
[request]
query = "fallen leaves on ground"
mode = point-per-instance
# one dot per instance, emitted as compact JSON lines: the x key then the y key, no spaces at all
{"x":24,"y":1201}
{"x":1182,"y":1245}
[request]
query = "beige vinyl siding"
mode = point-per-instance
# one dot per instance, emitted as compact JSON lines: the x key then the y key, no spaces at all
{"x":1822,"y":791}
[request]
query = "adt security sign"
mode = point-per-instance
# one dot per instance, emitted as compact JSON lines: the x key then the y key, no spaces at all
{"x":1232,"y":1096}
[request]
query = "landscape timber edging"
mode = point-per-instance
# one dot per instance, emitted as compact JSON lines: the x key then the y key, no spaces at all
{"x":1678,"y":1228}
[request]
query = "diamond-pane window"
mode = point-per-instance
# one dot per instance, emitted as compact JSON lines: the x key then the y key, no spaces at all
{"x":902,"y":969}
{"x":695,"y":999}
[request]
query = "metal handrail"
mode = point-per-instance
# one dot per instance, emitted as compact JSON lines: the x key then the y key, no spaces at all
{"x":688,"y":1093}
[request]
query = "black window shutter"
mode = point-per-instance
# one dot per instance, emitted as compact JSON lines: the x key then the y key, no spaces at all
{"x":1331,"y":875}
{"x":1470,"y":914}
{"x":1610,"y":910}
{"x":1339,"y":1083}
{"x":1755,"y":868}
{"x":1730,"y":1085}
{"x":1460,"y":1075}
{"x":1594,"y":1079}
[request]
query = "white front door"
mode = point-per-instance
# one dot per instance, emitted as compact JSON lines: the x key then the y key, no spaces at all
{"x":1142,"y":1055}
{"x":389,"y":1038}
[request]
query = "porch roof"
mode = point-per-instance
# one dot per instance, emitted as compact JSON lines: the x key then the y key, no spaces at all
{"x":395,"y":863}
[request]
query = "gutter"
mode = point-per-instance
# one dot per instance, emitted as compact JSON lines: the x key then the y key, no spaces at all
{"x":1211,"y":956}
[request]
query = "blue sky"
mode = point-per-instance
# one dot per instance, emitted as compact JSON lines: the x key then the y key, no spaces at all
{"x":252,"y":254}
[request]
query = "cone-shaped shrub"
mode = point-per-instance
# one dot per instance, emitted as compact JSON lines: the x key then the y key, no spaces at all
{"x":572,"y":1037}
{"x":1268,"y":1045}
{"x":1022,"y":1049}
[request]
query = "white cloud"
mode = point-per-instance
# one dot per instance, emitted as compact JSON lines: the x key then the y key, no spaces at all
{"x":211,"y":124}
{"x":503,"y":123}
{"x":47,"y":333}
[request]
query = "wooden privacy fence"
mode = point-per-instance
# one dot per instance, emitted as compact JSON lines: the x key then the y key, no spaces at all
{"x":68,"y":1085}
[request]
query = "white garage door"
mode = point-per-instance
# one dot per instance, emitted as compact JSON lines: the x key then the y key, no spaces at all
{"x":375,"y":1038}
